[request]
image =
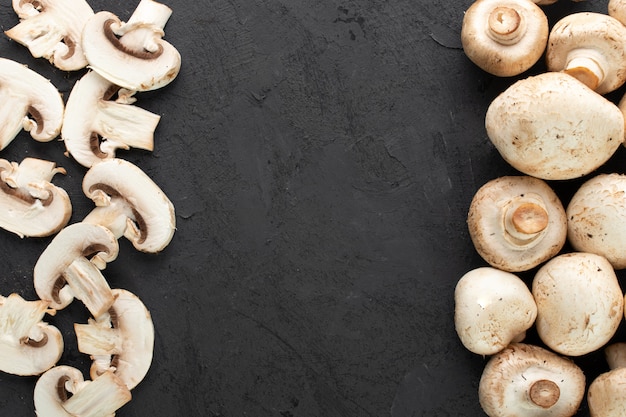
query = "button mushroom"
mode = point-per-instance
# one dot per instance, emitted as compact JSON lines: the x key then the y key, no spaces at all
{"x":129,"y":204}
{"x":605,"y":396}
{"x":590,"y":47}
{"x":52,"y":29}
{"x":28,"y":345}
{"x":24,"y":92}
{"x":617,"y":10}
{"x":579,"y":303}
{"x":95,"y":127}
{"x":492,"y":309}
{"x":504,"y":37}
{"x":133,"y":54}
{"x":62,"y":392}
{"x":517,"y":222}
{"x":31,"y":205}
{"x":121,"y":340}
{"x":527,"y":380}
{"x":70,"y":267}
{"x":551,"y":126}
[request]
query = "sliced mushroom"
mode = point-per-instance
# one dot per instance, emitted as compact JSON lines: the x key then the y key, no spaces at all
{"x":129,"y":204}
{"x":62,"y":392}
{"x":132,"y":54}
{"x":95,"y":127}
{"x":504,"y":37}
{"x":590,"y":47}
{"x":579,"y":303}
{"x":70,"y":268}
{"x":24,"y":92}
{"x":121,"y":340}
{"x":30,"y":204}
{"x":552,"y":126}
{"x":527,"y":380}
{"x":52,"y":29}
{"x":492,"y":309}
{"x":28,"y":345}
{"x":517,"y":222}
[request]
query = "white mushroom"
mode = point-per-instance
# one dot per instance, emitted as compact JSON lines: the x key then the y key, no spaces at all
{"x":24,"y":92}
{"x":615,"y":355}
{"x":52,"y":29}
{"x":129,"y":204}
{"x":579,"y":303}
{"x":552,"y":126}
{"x":28,"y":345}
{"x":95,"y":127}
{"x":517,"y":222}
{"x":62,"y":392}
{"x":121,"y":340}
{"x":504,"y":37}
{"x":70,"y":267}
{"x":606,"y":396}
{"x":492,"y":309}
{"x":30,"y":204}
{"x":132,"y":54}
{"x":527,"y":380}
{"x":617,"y":10}
{"x":590,"y":47}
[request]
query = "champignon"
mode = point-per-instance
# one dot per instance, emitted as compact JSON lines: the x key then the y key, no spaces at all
{"x":579,"y":303}
{"x":617,"y":10}
{"x":492,"y":309}
{"x":30,"y":204}
{"x":52,"y":29}
{"x":615,"y":355}
{"x":606,"y":396}
{"x":517,"y":222}
{"x":504,"y":37}
{"x":24,"y":92}
{"x":62,"y":392}
{"x":527,"y":380}
{"x":28,"y":345}
{"x":590,"y":47}
{"x":95,"y":127}
{"x":129,"y":204}
{"x":70,"y":267}
{"x":132,"y":54}
{"x":121,"y":340}
{"x":552,"y":126}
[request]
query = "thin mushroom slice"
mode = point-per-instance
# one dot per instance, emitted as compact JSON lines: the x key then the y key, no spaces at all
{"x":52,"y":29}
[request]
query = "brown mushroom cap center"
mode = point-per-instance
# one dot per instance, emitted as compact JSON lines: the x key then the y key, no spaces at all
{"x":529,"y":218}
{"x":544,"y":393}
{"x":505,"y":24}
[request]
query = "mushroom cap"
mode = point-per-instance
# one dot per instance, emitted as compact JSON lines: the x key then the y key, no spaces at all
{"x":517,"y":222}
{"x":595,"y":38}
{"x":617,"y":9}
{"x":615,"y":355}
{"x":579,"y":303}
{"x":492,"y":309}
{"x":606,"y":396}
{"x":596,"y":216}
{"x":551,"y":126}
{"x":504,"y":37}
{"x":527,"y":380}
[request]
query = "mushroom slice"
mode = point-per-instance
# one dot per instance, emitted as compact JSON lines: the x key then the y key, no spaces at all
{"x":590,"y":47}
{"x":132,"y":54}
{"x":94,"y":126}
{"x":121,"y":340}
{"x":52,"y":29}
{"x":527,"y":380}
{"x":24,"y":92}
{"x":62,"y":392}
{"x":64,"y":272}
{"x":28,"y":346}
{"x":31,"y":205}
{"x":130,"y":204}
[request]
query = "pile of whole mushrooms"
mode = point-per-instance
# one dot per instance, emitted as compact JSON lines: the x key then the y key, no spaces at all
{"x":551,"y":265}
{"x":117,"y":60}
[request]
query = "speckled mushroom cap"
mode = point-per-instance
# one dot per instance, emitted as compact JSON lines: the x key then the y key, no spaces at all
{"x":617,"y":10}
{"x":527,"y":380}
{"x":596,"y":217}
{"x":579,"y":303}
{"x":504,"y":37}
{"x":517,"y":222}
{"x":606,"y":396}
{"x":552,"y":126}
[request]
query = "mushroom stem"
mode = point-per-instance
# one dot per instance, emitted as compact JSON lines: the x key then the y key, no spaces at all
{"x":586,"y":66}
{"x":544,"y":393}
{"x":505,"y":25}
{"x":149,"y":17}
{"x":114,"y":216}
{"x":524,"y":221}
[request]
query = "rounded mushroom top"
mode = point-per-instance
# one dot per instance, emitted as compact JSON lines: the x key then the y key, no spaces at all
{"x":617,"y":10}
{"x":605,"y":396}
{"x":504,"y":37}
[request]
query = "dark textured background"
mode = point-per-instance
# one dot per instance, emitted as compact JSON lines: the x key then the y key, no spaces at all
{"x":321,"y":156}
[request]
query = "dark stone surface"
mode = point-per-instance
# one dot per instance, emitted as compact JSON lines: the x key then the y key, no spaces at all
{"x":321,"y":156}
